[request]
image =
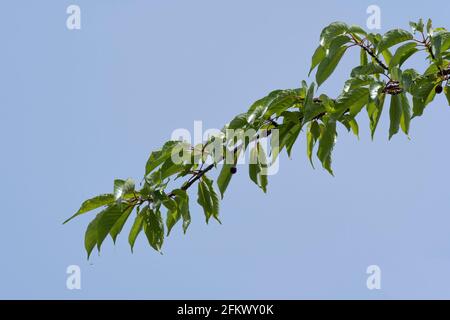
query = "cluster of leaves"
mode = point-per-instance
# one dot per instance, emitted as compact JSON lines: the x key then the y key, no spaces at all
{"x":288,"y":113}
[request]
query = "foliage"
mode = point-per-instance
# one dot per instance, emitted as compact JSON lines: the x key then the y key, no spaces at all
{"x":281,"y":116}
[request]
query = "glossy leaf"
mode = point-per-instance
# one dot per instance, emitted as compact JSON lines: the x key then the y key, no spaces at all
{"x":403,"y":52}
{"x":393,"y":37}
{"x":329,"y":64}
{"x":122,"y":187}
{"x":332,"y":31}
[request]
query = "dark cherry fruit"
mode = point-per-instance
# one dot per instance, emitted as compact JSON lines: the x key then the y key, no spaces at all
{"x":438,"y":89}
{"x":233,"y":170}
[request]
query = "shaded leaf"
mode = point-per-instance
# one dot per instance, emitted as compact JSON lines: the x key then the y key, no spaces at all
{"x":326,"y":143}
{"x":395,"y":113}
{"x":118,"y":226}
{"x":154,"y":229}
{"x":137,"y":227}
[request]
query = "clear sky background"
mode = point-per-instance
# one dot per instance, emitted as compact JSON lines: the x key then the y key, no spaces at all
{"x":80,"y":108}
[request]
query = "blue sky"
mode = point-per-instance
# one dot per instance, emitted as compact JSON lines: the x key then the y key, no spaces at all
{"x":81,"y":108}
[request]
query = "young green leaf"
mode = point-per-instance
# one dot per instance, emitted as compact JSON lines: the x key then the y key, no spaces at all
{"x":94,"y":203}
{"x":122,"y":187}
{"x":158,"y":157}
{"x":332,"y":31}
{"x":317,"y":57}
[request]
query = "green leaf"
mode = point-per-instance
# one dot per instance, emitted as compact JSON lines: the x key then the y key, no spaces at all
{"x":402,"y":54}
{"x":387,"y":55}
{"x":238,"y":122}
{"x":90,"y":237}
{"x":418,"y":106}
{"x":447,"y":93}
{"x":368,"y":69}
{"x":208,"y":199}
{"x":173,"y":214}
{"x":291,"y":137}
{"x":357,"y":30}
{"x":363,"y":57}
{"x":108,"y":219}
{"x":94,"y":203}
{"x":118,"y":226}
{"x":224,"y":178}
{"x":421,"y":87}
{"x":169,"y":168}
{"x":332,"y":31}
{"x":406,"y":114}
{"x":417,"y":26}
{"x":445,"y":40}
{"x":257,"y":166}
{"x":287,"y":134}
{"x":354,"y":126}
{"x":281,"y":103}
{"x":182,"y":200}
{"x":393,"y":37}
{"x":328,"y":65}
{"x":122,"y":187}
{"x":158,"y":157}
{"x":312,"y":135}
{"x":137,"y":227}
{"x":326,"y":143}
{"x":395,"y":113}
{"x":154,"y":229}
{"x":354,"y":100}
{"x":374,"y":110}
{"x":429,"y":27}
{"x":317,"y":57}
{"x":311,"y":108}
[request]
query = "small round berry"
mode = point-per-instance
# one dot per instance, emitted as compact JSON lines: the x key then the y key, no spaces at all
{"x":233,"y":170}
{"x":438,"y":89}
